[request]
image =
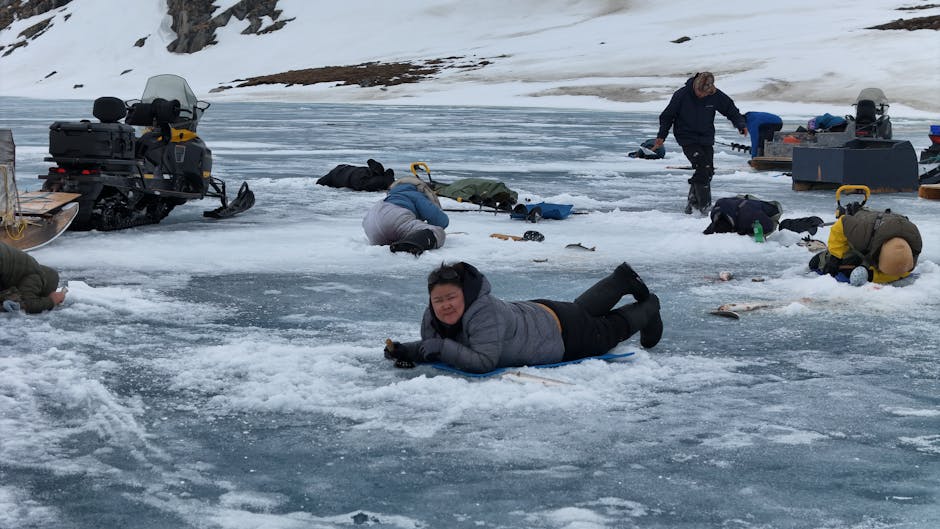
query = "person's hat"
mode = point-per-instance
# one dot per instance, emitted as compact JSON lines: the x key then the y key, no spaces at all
{"x":705,"y":83}
{"x":895,"y":257}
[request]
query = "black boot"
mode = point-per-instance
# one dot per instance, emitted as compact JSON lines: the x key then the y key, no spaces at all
{"x":644,"y":316}
{"x":415,"y":242}
{"x":692,"y":203}
{"x":703,"y":196}
{"x":603,"y":295}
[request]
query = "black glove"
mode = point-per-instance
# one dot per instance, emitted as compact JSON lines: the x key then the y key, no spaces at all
{"x":853,"y":208}
{"x":400,"y":351}
{"x":430,"y":349}
{"x":832,"y":265}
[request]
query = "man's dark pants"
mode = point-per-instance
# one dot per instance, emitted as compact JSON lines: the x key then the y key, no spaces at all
{"x":700,"y":191}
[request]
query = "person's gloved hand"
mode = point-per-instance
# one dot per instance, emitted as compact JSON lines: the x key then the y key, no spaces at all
{"x":11,"y":306}
{"x":832,"y":265}
{"x":853,"y":208}
{"x":430,"y":349}
{"x":400,"y":351}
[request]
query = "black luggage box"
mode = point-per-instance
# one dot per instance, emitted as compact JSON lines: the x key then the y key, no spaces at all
{"x":882,"y":165}
{"x":91,"y":140}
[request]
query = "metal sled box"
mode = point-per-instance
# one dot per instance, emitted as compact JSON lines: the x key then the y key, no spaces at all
{"x":91,"y":140}
{"x":882,"y":165}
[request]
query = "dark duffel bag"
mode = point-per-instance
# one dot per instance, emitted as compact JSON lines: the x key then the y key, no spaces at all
{"x":91,"y":140}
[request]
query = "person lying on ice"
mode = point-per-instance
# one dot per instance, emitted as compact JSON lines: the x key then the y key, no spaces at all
{"x":471,"y":329}
{"x":881,"y":243}
{"x":409,"y":219}
{"x":738,"y":215}
{"x":25,"y":284}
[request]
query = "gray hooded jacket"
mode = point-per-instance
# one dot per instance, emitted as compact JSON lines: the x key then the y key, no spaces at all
{"x":495,"y":333}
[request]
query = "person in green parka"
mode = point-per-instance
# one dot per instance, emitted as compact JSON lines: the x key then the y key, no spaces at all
{"x":25,"y":284}
{"x":883,"y":244}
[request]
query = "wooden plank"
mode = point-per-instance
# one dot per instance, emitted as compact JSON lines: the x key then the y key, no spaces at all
{"x":771,"y":163}
{"x":41,"y":202}
{"x":929,"y":191}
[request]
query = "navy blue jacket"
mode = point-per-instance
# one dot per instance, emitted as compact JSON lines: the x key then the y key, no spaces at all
{"x":738,"y":214}
{"x":693,"y":119}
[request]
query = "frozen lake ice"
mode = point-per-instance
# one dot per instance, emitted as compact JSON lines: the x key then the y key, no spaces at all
{"x":230,"y":373}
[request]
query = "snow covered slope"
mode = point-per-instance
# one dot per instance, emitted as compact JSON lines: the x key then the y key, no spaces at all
{"x":577,"y":53}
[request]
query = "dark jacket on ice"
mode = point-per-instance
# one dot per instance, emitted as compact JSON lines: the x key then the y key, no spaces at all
{"x":375,"y":177}
{"x":693,"y":119}
{"x":737,"y":214}
{"x":24,"y":280}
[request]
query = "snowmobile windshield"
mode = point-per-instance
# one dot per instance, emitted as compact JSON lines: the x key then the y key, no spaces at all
{"x":875,"y":95}
{"x":170,"y":87}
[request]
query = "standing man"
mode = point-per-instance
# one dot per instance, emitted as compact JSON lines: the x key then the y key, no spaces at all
{"x":691,"y":115}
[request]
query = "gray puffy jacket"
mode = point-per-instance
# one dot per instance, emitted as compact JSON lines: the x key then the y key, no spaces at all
{"x":496,"y":333}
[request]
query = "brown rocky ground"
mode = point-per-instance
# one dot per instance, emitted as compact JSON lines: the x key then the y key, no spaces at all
{"x":365,"y":74}
{"x":912,"y":24}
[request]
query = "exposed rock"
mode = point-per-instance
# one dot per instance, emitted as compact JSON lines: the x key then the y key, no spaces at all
{"x":19,"y":44}
{"x":366,"y":74}
{"x":680,"y":40}
{"x":140,"y":42}
{"x":11,"y":10}
{"x":195,"y":26}
{"x":36,"y":29}
{"x":53,"y":72}
{"x":912,"y":24}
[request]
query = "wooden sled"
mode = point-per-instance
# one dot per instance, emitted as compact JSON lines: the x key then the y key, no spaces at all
{"x":41,"y":218}
{"x":771,"y":163}
{"x":929,"y":191}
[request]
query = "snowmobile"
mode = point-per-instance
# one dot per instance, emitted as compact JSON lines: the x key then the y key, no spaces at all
{"x":125,"y":180}
{"x":871,"y":118}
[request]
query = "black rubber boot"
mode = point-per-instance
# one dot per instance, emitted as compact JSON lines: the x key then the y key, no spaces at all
{"x":644,"y":316}
{"x":415,"y":242}
{"x":692,"y":203}
{"x":703,"y":196}
{"x":603,"y":295}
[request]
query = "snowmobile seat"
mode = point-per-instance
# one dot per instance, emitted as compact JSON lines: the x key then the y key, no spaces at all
{"x":865,"y":113}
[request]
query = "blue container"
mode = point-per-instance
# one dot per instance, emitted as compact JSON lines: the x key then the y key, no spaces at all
{"x":935,"y":130}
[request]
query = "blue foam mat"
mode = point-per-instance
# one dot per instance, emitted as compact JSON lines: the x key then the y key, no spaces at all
{"x":451,"y":369}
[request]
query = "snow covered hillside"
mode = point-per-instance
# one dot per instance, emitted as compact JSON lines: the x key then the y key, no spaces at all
{"x":562,"y":53}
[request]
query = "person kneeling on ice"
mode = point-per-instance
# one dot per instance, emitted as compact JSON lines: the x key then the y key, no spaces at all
{"x":471,"y":329}
{"x":25,"y":284}
{"x":738,"y":214}
{"x":866,"y":245}
{"x":409,"y":219}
